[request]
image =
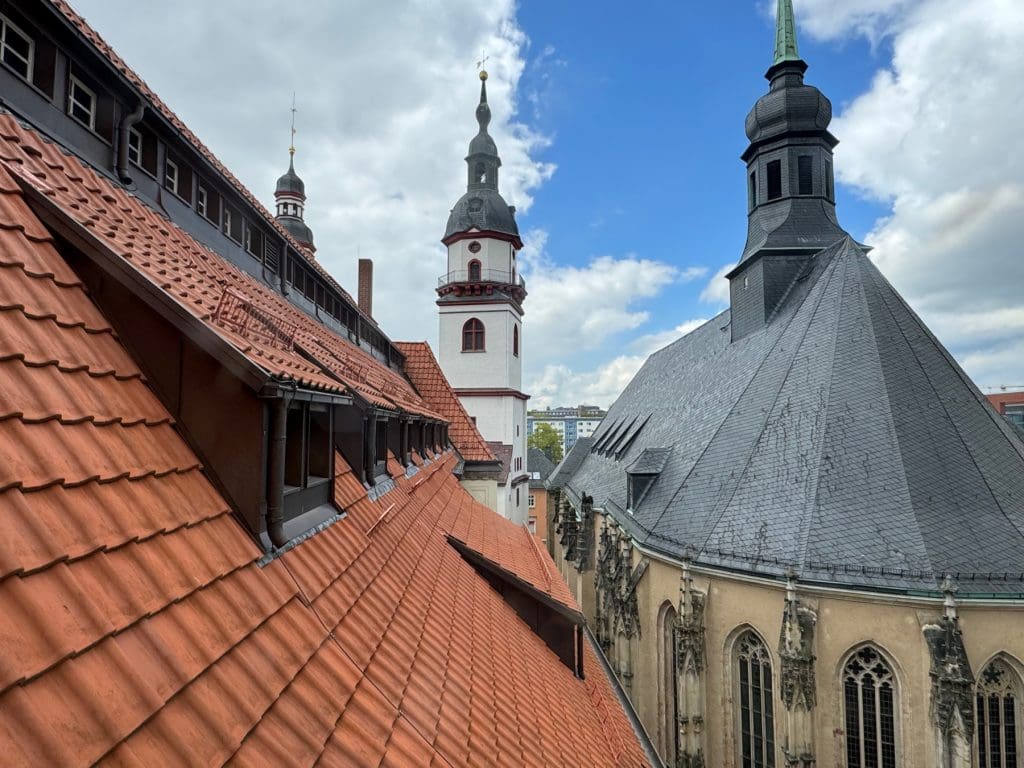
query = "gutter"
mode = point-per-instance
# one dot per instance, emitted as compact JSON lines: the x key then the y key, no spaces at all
{"x":634,"y":720}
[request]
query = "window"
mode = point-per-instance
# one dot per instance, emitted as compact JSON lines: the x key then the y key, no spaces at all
{"x":752,"y":191}
{"x":531,"y":523}
{"x":517,"y":497}
{"x":869,"y":701}
{"x":474,"y":271}
{"x":473,"y":336}
{"x":201,"y":200}
{"x":531,"y":501}
{"x":308,"y":445}
{"x":171,"y":176}
{"x":1015,"y":414}
{"x":805,"y":174}
{"x":16,"y":49}
{"x":667,"y":689}
{"x":774,"y":179}
{"x":515,"y":346}
{"x":830,"y":191}
{"x":998,"y":722}
{"x":134,"y":147}
{"x":636,"y":488}
{"x":81,"y":103}
{"x":754,"y":692}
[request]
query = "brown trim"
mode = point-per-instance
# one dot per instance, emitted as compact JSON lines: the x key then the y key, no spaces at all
{"x":480,"y":233}
{"x":488,"y":392}
{"x":481,"y":300}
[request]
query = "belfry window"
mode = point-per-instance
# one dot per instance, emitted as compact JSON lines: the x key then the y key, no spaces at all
{"x":756,"y":703}
{"x":869,"y":702}
{"x":473,"y":336}
{"x":805,"y":174}
{"x":480,"y":173}
{"x":998,"y":716}
{"x":474,"y":271}
{"x":830,"y":191}
{"x":515,"y":341}
{"x":752,"y":191}
{"x":16,"y":49}
{"x":774,"y":179}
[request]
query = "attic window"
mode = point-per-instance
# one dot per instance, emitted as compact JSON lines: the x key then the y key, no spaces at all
{"x":16,"y":49}
{"x":201,"y":200}
{"x":82,"y":103}
{"x":171,"y":176}
{"x":805,"y":174}
{"x":134,"y":147}
{"x":774,"y":179}
{"x":308,"y":458}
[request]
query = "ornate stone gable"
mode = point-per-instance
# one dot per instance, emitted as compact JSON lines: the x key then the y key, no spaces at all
{"x":796,"y":652}
{"x":689,"y":630}
{"x":615,"y":580}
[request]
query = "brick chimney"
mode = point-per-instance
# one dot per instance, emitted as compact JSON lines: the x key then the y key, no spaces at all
{"x":366,"y":286}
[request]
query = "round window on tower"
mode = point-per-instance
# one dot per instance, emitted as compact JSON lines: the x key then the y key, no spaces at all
{"x":474,"y":247}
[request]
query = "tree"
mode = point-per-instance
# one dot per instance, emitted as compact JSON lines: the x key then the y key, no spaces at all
{"x":547,"y":439}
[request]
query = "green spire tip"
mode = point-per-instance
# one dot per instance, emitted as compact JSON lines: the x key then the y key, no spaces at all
{"x":785,"y":34}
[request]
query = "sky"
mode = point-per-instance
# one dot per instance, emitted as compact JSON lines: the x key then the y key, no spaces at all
{"x":620,"y":128}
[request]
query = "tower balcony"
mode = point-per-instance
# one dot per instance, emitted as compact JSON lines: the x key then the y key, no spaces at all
{"x":482,"y":282}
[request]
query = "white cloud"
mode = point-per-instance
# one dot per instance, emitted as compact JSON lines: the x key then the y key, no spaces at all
{"x":580,"y":308}
{"x":386,"y":96}
{"x":716,"y":292}
{"x":557,"y":384}
{"x":650,"y":343}
{"x":937,"y":135}
{"x":831,"y":19}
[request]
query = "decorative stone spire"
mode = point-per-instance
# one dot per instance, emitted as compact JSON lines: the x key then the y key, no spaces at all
{"x":785,"y":33}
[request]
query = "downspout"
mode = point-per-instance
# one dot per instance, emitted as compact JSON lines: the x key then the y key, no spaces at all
{"x":275,"y":481}
{"x":124,"y":130}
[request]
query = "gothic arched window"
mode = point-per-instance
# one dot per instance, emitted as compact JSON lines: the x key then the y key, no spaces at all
{"x":474,"y":271}
{"x":515,"y":340}
{"x":667,"y":683}
{"x":473,"y":336}
{"x":869,"y":703}
{"x":998,"y":723}
{"x":756,"y":710}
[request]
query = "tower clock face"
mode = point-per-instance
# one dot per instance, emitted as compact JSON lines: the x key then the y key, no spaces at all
{"x":474,"y":247}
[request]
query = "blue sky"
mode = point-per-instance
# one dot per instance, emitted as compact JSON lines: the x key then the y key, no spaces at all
{"x":620,"y":127}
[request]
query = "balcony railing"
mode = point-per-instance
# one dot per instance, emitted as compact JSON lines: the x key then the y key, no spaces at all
{"x":502,"y":276}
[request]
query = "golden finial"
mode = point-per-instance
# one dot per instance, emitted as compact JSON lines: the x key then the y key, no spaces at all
{"x":291,"y":149}
{"x":480,"y":65}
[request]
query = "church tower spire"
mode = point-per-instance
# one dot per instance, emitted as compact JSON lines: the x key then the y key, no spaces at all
{"x":791,"y":211}
{"x":290,"y":198}
{"x":480,"y":303}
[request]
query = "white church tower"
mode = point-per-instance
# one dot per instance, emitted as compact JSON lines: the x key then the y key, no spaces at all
{"x":481,"y":308}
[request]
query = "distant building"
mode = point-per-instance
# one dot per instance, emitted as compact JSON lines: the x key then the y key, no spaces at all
{"x":571,"y":423}
{"x":1010,"y":405}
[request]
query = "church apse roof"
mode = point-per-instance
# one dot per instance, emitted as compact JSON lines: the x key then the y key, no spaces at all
{"x":841,"y":440}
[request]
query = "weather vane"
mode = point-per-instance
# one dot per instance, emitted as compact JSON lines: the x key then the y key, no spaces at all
{"x":291,"y":149}
{"x":480,"y":65}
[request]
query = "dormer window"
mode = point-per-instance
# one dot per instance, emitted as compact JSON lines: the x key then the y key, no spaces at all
{"x":309,"y":458}
{"x":641,"y":474}
{"x":774,"y":179}
{"x":202,"y":201}
{"x":134,"y":147}
{"x":637,"y":488}
{"x":81,"y":103}
{"x":16,"y":49}
{"x":171,"y":176}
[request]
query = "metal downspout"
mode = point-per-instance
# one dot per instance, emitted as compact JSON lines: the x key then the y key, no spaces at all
{"x":123,"y":131}
{"x":275,"y":479}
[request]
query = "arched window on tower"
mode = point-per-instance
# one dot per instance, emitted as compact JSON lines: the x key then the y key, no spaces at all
{"x":515,"y":340}
{"x":756,"y":701}
{"x":998,"y":722}
{"x":480,"y":173}
{"x":869,"y":704}
{"x":474,"y":271}
{"x":473,"y":336}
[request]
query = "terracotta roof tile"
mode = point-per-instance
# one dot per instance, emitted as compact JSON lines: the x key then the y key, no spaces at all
{"x":423,"y":369}
{"x":142,"y":630}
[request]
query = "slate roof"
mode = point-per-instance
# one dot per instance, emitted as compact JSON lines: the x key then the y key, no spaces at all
{"x":142,"y":625}
{"x":538,"y":461}
{"x":425,"y":373}
{"x":571,"y":462}
{"x":271,"y":334}
{"x":503,"y":452}
{"x":841,"y":440}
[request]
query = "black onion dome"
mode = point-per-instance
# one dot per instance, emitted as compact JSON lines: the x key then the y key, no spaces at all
{"x":483,"y":209}
{"x":290,"y":183}
{"x":790,"y":106}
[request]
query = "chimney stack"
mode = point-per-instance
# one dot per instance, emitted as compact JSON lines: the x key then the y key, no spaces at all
{"x":366,"y":286}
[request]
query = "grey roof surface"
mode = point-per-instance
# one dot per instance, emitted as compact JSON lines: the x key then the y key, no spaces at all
{"x":570,"y":463}
{"x":651,"y":461}
{"x":482,"y":208}
{"x":297,"y":228}
{"x":503,"y":452}
{"x":841,"y":440}
{"x":538,"y":461}
{"x":290,"y":182}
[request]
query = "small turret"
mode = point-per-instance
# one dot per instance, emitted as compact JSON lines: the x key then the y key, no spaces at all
{"x":290,"y":197}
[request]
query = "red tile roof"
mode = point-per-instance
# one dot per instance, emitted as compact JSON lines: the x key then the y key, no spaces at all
{"x":269,"y":331}
{"x":104,"y":50}
{"x":423,"y":369}
{"x":142,"y":627}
